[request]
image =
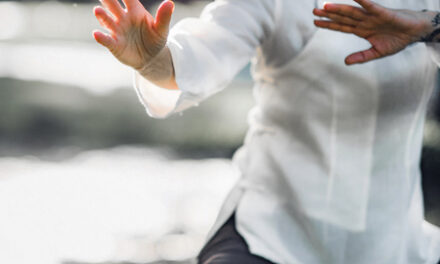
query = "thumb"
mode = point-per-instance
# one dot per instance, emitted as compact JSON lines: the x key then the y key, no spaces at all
{"x":363,"y":56}
{"x":163,"y":17}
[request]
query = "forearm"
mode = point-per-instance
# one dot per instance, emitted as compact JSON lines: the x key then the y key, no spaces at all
{"x":160,"y":70}
{"x":431,"y":26}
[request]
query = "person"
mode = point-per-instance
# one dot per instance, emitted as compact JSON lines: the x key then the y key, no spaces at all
{"x":388,"y":30}
{"x":330,"y":163}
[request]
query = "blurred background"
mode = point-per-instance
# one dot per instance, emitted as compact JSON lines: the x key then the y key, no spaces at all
{"x":86,"y":176}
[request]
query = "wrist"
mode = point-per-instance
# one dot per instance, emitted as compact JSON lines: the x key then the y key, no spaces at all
{"x":430,"y":30}
{"x":159,"y":70}
{"x":155,"y":68}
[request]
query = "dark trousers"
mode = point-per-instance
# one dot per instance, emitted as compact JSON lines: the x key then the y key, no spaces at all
{"x":228,"y":247}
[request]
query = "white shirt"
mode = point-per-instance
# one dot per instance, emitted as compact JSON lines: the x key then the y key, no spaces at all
{"x":330,"y":164}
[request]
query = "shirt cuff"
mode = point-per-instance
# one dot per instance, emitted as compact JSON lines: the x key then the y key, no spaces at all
{"x":161,"y":102}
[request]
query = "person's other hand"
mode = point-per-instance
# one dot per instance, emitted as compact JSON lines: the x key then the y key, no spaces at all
{"x":388,"y":30}
{"x":135,"y":36}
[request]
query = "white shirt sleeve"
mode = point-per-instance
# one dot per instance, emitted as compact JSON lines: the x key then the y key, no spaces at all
{"x":208,"y":52}
{"x":434,"y":49}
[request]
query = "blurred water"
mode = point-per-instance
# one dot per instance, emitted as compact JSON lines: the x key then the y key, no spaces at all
{"x":121,"y":204}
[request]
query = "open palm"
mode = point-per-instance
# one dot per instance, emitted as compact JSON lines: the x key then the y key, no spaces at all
{"x":388,"y":30}
{"x":134,"y":36}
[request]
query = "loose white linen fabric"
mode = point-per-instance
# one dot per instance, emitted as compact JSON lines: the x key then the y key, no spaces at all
{"x":330,"y":164}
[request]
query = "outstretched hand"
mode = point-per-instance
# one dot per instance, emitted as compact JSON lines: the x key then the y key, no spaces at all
{"x":134,"y":36}
{"x":388,"y":30}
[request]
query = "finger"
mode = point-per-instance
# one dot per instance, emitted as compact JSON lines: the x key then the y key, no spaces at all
{"x":319,"y":12}
{"x":334,"y":26}
{"x":114,"y":7}
{"x":163,"y":17}
{"x":336,"y":17}
{"x":345,"y":10}
{"x":363,"y":56}
{"x":104,"y":19}
{"x":104,"y":39}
